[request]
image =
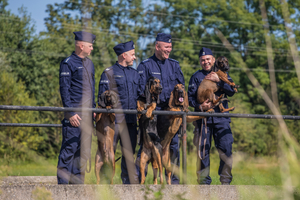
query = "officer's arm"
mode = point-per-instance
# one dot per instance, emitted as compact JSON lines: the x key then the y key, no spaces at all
{"x":103,"y":85}
{"x":93,"y":85}
{"x":180,"y":76}
{"x":143,"y":79}
{"x":64,"y":86}
{"x":227,"y":89}
{"x":192,"y":93}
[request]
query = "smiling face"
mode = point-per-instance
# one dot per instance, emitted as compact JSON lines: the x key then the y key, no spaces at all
{"x":163,"y":50}
{"x":207,"y":62}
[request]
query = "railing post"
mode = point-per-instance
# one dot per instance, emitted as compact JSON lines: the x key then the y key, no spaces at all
{"x":184,"y":154}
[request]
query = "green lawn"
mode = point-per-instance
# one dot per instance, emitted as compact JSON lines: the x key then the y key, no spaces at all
{"x":246,"y":170}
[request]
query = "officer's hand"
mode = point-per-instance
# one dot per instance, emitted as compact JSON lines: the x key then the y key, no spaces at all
{"x":94,"y":115}
{"x":213,"y":77}
{"x":74,"y":120}
{"x":206,"y":105}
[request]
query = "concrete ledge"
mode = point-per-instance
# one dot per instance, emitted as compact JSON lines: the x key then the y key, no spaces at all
{"x":31,"y":187}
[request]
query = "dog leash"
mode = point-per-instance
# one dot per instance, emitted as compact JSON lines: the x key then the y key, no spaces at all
{"x":200,"y":138}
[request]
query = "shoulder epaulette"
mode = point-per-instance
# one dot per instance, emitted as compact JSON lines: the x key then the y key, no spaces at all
{"x":173,"y":60}
{"x":67,"y":59}
{"x":109,"y":68}
{"x":147,"y":60}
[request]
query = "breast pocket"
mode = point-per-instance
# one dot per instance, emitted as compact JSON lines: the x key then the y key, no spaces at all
{"x":135,"y":85}
{"x":78,"y":73}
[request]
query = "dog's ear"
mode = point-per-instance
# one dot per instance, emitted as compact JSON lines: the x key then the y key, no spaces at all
{"x":215,"y":68}
{"x":186,"y":101}
{"x":115,"y":98}
{"x":102,"y":100}
{"x":172,"y":100}
{"x":147,"y":91}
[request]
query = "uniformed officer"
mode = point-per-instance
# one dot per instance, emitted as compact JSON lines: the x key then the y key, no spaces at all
{"x":169,"y":73}
{"x":218,"y":127}
{"x":77,"y":89}
{"x":124,"y":80}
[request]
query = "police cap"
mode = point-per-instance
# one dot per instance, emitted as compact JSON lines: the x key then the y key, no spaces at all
{"x":163,"y":37}
{"x":123,"y":47}
{"x":84,"y":36}
{"x":205,"y":51}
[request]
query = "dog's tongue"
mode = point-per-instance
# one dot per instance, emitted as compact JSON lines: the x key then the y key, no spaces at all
{"x":180,"y":99}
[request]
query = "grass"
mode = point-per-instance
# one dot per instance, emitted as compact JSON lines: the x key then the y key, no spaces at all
{"x":247,"y":170}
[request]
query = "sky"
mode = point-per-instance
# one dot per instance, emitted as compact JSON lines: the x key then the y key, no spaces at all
{"x":37,"y":9}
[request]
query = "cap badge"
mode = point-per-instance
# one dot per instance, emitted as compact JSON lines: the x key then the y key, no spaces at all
{"x":203,"y":53}
{"x":169,"y":40}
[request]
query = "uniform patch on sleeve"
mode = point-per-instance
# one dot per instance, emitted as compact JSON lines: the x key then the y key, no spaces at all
{"x":104,"y":81}
{"x":64,"y":73}
{"x":118,"y":76}
{"x":156,"y":73}
{"x":140,"y":72}
{"x":192,"y":86}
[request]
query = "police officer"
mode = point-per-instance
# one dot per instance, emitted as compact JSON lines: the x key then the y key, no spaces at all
{"x":218,"y":127}
{"x":77,"y":89}
{"x":124,"y":80}
{"x":169,"y":73}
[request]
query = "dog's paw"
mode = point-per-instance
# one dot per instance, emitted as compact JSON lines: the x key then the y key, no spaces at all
{"x":148,"y":114}
{"x":108,"y":107}
{"x":140,"y":109}
{"x":210,"y":110}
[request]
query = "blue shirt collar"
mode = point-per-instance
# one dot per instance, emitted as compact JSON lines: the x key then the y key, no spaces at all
{"x":76,"y":57}
{"x":157,"y":60}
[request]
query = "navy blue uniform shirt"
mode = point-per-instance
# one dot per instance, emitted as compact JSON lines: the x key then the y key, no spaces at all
{"x":124,"y":81}
{"x":77,"y":83}
{"x":167,"y":71}
{"x":226,"y":89}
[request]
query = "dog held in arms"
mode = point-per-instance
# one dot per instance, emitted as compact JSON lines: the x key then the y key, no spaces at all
{"x":168,"y":125}
{"x":105,"y":126}
{"x":147,"y":122}
{"x":207,"y":88}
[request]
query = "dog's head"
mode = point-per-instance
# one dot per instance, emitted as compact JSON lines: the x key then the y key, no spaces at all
{"x":109,"y":99}
{"x":221,"y":64}
{"x":179,"y":97}
{"x":153,"y":90}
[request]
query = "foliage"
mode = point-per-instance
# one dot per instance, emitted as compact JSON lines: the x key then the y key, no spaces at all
{"x":30,"y":73}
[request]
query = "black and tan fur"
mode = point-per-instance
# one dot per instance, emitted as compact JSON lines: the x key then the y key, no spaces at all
{"x":151,"y":150}
{"x":168,"y":125}
{"x":105,"y":126}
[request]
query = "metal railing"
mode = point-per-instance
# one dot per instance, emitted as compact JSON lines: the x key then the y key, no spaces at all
{"x":156,"y":112}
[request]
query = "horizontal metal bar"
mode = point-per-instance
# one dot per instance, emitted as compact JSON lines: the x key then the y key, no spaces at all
{"x":29,"y":125}
{"x":156,"y":112}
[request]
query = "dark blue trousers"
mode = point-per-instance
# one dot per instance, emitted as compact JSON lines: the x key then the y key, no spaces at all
{"x":221,"y":132}
{"x":74,"y":154}
{"x":132,"y":130}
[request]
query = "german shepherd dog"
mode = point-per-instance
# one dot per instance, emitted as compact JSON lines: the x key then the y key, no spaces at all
{"x":105,"y":126}
{"x":151,"y":142}
{"x":168,"y":125}
{"x":207,"y":88}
